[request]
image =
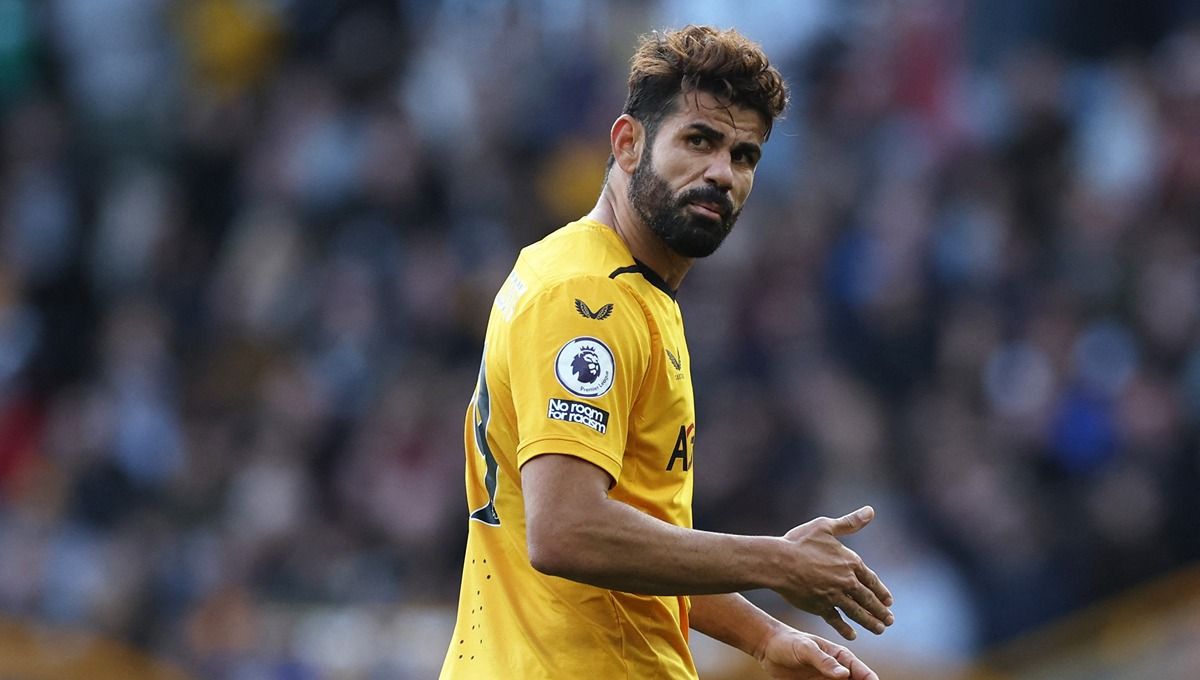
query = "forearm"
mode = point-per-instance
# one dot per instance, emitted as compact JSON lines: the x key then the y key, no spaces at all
{"x":622,"y":548}
{"x":734,"y":620}
{"x":574,"y":530}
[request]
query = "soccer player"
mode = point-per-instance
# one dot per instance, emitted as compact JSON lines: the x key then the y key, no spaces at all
{"x":581,"y":558}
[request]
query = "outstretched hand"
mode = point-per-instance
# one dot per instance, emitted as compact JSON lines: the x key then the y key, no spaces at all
{"x":792,"y":655}
{"x":826,"y":576}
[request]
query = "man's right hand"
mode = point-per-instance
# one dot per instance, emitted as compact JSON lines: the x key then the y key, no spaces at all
{"x":825,"y":576}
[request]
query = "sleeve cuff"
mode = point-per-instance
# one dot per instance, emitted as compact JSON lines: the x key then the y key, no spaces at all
{"x":602,"y":459}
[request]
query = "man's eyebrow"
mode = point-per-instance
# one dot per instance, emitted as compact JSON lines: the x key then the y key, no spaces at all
{"x":709,"y":132}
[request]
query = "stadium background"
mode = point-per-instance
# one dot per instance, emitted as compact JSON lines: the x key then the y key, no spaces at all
{"x":247,"y":248}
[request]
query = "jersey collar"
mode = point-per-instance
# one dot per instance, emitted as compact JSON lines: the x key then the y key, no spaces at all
{"x":639,"y":267}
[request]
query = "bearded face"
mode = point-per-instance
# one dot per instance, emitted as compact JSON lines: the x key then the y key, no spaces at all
{"x":670,"y":217}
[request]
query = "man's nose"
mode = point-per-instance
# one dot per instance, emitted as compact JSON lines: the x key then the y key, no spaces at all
{"x":720,"y":173}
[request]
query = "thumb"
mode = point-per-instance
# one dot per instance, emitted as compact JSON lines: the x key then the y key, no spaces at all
{"x":848,"y":524}
{"x":830,"y":667}
{"x":827,"y":665}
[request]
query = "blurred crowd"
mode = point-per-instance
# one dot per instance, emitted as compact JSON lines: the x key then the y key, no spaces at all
{"x":247,"y":250}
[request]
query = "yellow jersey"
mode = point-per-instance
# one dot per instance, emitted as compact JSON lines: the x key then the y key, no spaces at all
{"x":584,"y":356}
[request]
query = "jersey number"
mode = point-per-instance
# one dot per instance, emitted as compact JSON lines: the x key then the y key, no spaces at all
{"x":482,"y":412}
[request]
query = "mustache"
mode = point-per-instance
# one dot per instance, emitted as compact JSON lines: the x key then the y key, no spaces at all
{"x":709,"y":194}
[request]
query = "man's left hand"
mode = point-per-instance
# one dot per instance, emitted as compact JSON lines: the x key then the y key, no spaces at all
{"x":792,"y":655}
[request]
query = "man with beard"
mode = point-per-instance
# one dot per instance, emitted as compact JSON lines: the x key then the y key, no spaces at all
{"x":581,"y":558}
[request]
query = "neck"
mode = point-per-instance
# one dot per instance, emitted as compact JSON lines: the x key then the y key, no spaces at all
{"x":614,"y":211}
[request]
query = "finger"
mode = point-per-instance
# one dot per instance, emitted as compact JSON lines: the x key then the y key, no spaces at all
{"x":835,"y":620}
{"x":858,"y":669}
{"x":871,"y":580}
{"x":809,"y":653}
{"x":867,"y":600}
{"x":848,"y":524}
{"x":830,"y":648}
{"x":859,"y":615}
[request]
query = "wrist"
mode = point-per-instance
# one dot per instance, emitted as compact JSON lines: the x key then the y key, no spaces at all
{"x":759,"y":649}
{"x":770,"y":562}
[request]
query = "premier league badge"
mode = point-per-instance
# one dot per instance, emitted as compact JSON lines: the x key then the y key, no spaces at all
{"x":585,"y":367}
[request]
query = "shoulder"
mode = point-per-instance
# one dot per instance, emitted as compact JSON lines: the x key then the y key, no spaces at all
{"x":584,"y":248}
{"x":588,"y":298}
{"x":577,"y":267}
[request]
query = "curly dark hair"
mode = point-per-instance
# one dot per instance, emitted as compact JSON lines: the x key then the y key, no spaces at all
{"x":725,"y":64}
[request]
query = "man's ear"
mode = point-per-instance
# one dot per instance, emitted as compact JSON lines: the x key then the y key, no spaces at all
{"x":628,"y":138}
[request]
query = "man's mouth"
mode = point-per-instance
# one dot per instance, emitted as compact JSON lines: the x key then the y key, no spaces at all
{"x":710,"y":210}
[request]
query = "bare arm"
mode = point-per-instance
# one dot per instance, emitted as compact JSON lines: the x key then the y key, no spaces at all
{"x":781,"y":650}
{"x":734,"y":620}
{"x":575,"y":531}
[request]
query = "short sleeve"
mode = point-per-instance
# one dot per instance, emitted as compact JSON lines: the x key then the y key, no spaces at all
{"x":578,"y":354}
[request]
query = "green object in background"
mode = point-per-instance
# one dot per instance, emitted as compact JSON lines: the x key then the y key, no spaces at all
{"x":16,"y":49}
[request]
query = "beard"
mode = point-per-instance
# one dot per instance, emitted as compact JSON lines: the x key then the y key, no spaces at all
{"x":669,"y":217}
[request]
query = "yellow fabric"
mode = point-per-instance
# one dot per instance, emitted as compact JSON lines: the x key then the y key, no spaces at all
{"x":574,"y":300}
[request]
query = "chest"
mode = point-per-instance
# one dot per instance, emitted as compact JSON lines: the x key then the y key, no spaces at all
{"x":660,"y":452}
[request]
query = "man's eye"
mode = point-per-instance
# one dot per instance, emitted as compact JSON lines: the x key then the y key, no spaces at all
{"x":698,"y":141}
{"x":743,"y":157}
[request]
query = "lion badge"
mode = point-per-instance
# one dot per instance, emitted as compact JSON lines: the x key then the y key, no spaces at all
{"x":585,"y":367}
